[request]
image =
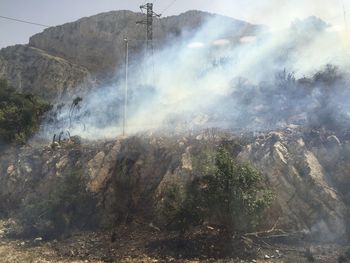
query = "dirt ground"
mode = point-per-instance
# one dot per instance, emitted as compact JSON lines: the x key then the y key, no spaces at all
{"x":144,"y":243}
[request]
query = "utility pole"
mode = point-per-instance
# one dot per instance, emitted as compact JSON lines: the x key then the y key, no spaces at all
{"x":345,"y":19}
{"x":148,"y":22}
{"x":126,"y":40}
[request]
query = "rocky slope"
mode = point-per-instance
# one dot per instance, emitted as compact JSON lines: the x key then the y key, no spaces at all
{"x":32,"y":70}
{"x":128,"y":176}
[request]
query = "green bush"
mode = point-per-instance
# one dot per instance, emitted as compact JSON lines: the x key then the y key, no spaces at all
{"x":179,"y":207}
{"x":20,"y":113}
{"x":232,"y":197}
{"x":235,"y":194}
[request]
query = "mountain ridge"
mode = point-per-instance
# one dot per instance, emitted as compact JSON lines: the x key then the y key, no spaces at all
{"x":95,"y":46}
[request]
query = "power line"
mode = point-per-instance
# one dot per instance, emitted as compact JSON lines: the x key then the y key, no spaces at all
{"x":170,"y":5}
{"x":24,"y":21}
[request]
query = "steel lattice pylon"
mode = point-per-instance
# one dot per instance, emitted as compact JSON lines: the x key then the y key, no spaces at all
{"x":148,"y":22}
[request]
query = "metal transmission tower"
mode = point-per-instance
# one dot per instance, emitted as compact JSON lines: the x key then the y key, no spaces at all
{"x":148,"y":22}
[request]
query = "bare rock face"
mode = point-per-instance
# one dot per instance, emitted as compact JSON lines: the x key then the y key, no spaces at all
{"x":33,"y":70}
{"x":305,"y":196}
{"x":100,"y":168}
{"x":95,"y":42}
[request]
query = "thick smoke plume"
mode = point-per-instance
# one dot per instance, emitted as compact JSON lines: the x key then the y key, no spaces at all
{"x":214,"y":79}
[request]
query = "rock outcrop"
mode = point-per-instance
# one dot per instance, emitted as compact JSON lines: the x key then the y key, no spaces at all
{"x":305,"y":195}
{"x":127,"y":176}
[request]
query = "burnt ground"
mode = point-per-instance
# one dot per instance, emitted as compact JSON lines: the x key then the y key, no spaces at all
{"x":139,"y":242}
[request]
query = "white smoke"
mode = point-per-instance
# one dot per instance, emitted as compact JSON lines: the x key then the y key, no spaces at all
{"x":192,"y":82}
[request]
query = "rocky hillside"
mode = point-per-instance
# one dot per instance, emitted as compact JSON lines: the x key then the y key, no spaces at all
{"x":128,"y":175}
{"x":67,"y":58}
{"x":77,"y":184}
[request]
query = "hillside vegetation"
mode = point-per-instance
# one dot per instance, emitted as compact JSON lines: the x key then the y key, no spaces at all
{"x":20,"y":113}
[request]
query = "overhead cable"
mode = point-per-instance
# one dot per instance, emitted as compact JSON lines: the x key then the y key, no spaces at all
{"x":23,"y":21}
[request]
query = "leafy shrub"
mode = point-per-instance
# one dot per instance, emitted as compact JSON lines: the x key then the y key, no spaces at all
{"x":19,"y":113}
{"x":179,"y":207}
{"x":235,"y":194}
{"x":233,"y":197}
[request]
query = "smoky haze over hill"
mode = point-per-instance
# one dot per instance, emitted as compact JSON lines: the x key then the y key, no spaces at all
{"x":97,"y":42}
{"x":227,"y":74}
{"x":205,"y":71}
{"x":93,"y":47}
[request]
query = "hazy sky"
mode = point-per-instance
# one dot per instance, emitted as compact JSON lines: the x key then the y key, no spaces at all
{"x":274,"y":13}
